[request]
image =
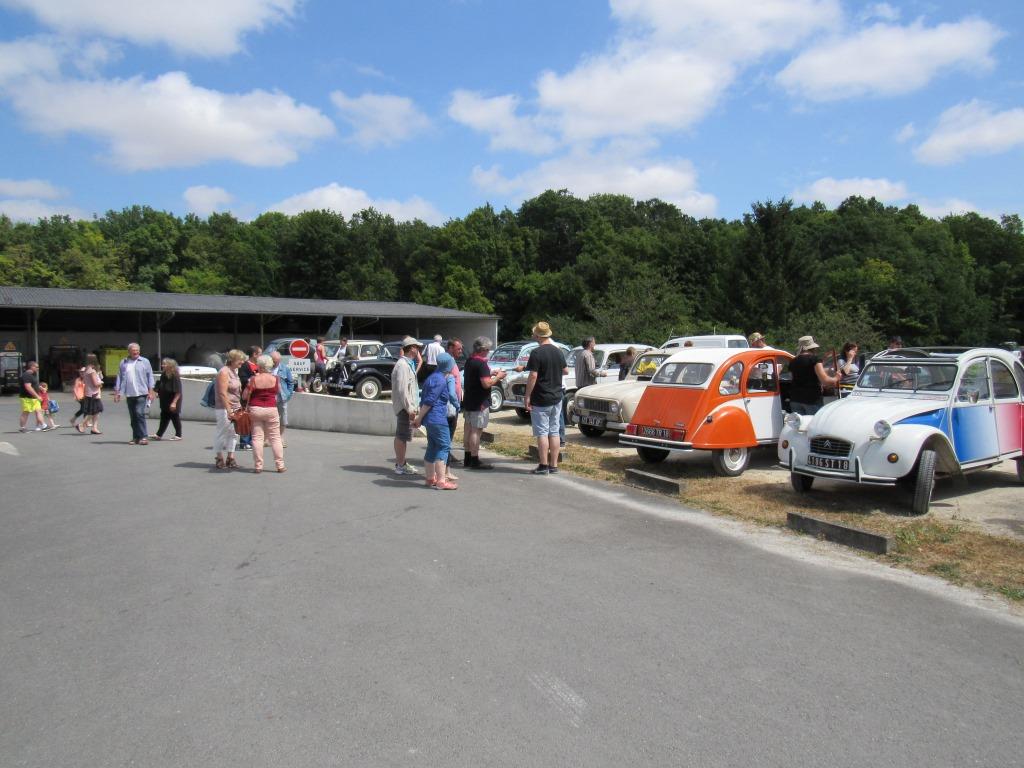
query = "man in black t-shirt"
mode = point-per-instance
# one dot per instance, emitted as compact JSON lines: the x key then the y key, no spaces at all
{"x":476,"y":399}
{"x":544,"y":397}
{"x":28,"y":393}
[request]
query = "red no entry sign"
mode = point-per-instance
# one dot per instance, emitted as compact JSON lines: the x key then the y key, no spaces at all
{"x":299,"y":348}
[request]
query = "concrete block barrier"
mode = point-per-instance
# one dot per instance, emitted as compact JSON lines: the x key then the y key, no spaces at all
{"x":653,"y":482}
{"x":841,"y":534}
{"x":327,"y":413}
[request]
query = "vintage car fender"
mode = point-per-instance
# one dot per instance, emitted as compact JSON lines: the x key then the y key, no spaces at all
{"x":727,"y":426}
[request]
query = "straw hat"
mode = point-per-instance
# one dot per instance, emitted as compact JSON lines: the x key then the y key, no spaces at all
{"x":542,"y":330}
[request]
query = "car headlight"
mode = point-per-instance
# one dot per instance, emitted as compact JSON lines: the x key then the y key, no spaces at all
{"x":613,"y":408}
{"x":882,"y":429}
{"x":792,"y":420}
{"x":352,"y":365}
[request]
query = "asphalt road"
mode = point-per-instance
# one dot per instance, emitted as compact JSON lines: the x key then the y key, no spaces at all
{"x":156,"y":613}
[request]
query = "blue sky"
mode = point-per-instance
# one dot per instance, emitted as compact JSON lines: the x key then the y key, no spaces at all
{"x":429,"y":109}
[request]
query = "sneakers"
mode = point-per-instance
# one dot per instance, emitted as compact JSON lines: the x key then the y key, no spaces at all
{"x":541,"y":469}
{"x":552,"y":470}
{"x":405,"y":469}
{"x":176,"y":437}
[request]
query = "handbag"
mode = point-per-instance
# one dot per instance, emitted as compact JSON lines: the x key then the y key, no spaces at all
{"x":242,"y":421}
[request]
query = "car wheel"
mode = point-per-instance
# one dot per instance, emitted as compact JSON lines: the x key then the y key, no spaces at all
{"x":368,"y":389}
{"x":317,"y":386}
{"x":523,"y":414}
{"x":924,"y":484}
{"x":652,"y":455}
{"x":497,"y":398}
{"x":800,"y":483}
{"x":730,"y":462}
{"x":1020,"y":470}
{"x":590,"y":431}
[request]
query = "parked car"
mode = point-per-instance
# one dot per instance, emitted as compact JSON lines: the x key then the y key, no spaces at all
{"x":367,"y":378}
{"x":730,"y":340}
{"x":610,"y":405}
{"x":716,"y":399}
{"x":606,"y":357}
{"x":913,"y":415}
{"x":507,"y":357}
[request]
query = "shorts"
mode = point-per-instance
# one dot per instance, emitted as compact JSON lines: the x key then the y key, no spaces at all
{"x":545,"y":419}
{"x":478,"y":419}
{"x":403,"y":427}
{"x":30,"y":405}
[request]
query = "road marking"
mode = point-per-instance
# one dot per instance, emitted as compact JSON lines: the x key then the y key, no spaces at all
{"x":9,"y":449}
{"x":558,"y":692}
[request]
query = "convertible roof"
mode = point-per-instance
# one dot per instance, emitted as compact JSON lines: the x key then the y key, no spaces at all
{"x":935,"y":354}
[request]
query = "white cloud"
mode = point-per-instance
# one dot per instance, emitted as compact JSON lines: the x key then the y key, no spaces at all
{"x":938,"y":209}
{"x":190,"y":26}
{"x":636,"y":91}
{"x":32,"y":210}
{"x":348,"y":201}
{"x":889,"y":60}
{"x":734,"y":29}
{"x":36,"y":188}
{"x":618,"y":169}
{"x":882,"y":11}
{"x":25,"y":57}
{"x":497,"y":116}
{"x":906,"y":133}
{"x":380,"y":119}
{"x":203,"y":200}
{"x":169,"y":122}
{"x":831,"y":191}
{"x":971,"y":128}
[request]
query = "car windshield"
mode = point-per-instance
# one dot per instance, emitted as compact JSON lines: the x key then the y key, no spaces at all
{"x":505,"y":353}
{"x":913,"y":377}
{"x":646,"y":365}
{"x":686,"y":374}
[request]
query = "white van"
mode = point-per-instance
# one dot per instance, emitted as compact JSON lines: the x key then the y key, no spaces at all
{"x":722,"y":340}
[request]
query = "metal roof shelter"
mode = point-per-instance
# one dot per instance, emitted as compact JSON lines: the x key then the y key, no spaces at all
{"x":84,"y":310}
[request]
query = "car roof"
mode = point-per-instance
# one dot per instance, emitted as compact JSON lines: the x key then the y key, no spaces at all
{"x":615,"y":347}
{"x":719,"y":355}
{"x":715,"y":337}
{"x":941,"y":354}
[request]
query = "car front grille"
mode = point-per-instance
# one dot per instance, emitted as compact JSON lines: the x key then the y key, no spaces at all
{"x":830,"y":446}
{"x":589,"y":404}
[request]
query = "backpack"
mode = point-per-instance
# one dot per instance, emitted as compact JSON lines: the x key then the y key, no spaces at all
{"x":78,"y":388}
{"x":209,"y":398}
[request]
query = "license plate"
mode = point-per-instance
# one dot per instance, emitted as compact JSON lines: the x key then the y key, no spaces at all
{"x":592,"y":421}
{"x":654,"y":432}
{"x":827,"y":462}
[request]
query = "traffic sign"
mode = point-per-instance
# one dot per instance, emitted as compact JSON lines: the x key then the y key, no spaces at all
{"x":299,"y":348}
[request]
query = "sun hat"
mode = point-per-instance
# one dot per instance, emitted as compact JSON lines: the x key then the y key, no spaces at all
{"x":445,"y":362}
{"x":409,"y":341}
{"x":806,"y":343}
{"x":755,"y":337}
{"x":542,"y":330}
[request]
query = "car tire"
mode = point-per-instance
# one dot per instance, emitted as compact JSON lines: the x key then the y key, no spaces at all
{"x":317,"y":386}
{"x":523,"y":414}
{"x":730,"y":462}
{"x":924,"y":484}
{"x":497,"y":397}
{"x":590,"y":431}
{"x":800,"y":483}
{"x":652,"y":455}
{"x":368,"y":389}
{"x":1020,"y":470}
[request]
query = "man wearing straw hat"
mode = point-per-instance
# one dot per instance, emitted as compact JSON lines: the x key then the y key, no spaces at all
{"x":544,"y":395}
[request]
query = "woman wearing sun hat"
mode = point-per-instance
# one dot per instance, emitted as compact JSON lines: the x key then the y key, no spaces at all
{"x":808,"y":378}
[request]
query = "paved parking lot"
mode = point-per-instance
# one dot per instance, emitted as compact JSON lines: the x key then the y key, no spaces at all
{"x":158,"y":613}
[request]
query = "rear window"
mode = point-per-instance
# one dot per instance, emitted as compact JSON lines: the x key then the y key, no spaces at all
{"x":685,"y":374}
{"x":506,"y":353}
{"x":646,"y":365}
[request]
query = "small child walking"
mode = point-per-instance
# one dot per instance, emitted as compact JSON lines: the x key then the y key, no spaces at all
{"x":47,"y":406}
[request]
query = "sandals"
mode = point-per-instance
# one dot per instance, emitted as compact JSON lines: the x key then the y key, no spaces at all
{"x":282,"y":469}
{"x":231,"y":463}
{"x":444,"y":485}
{"x":79,"y":429}
{"x":219,"y":463}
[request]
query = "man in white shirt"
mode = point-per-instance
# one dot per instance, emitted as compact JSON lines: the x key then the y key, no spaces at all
{"x":135,"y":383}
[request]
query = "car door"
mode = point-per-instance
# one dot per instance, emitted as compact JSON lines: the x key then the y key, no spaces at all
{"x":762,"y":400}
{"x":1009,"y":411}
{"x":974,"y":420}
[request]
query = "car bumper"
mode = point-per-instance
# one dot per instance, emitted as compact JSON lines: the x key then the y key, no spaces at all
{"x":855,"y":474}
{"x":616,"y":426}
{"x":636,"y":441}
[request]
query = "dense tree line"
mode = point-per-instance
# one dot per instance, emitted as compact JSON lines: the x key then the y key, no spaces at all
{"x":609,"y":266}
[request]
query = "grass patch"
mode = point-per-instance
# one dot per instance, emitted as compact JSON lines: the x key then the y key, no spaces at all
{"x":924,"y":545}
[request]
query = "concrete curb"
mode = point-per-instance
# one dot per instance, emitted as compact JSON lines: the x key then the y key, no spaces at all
{"x":487,"y":437}
{"x":534,"y":455}
{"x":653,"y":482}
{"x":841,"y":534}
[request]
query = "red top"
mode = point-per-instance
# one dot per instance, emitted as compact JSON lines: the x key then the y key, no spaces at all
{"x":264,"y":397}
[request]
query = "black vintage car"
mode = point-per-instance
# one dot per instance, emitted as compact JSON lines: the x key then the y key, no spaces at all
{"x":366,"y":377}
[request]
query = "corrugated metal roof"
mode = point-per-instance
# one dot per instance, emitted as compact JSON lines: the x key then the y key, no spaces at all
{"x":138,"y":301}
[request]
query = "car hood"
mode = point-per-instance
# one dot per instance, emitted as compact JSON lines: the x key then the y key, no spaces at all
{"x":854,"y":416}
{"x":613,"y":390}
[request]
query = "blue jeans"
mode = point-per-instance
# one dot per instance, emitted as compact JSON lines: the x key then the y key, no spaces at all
{"x":137,"y":414}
